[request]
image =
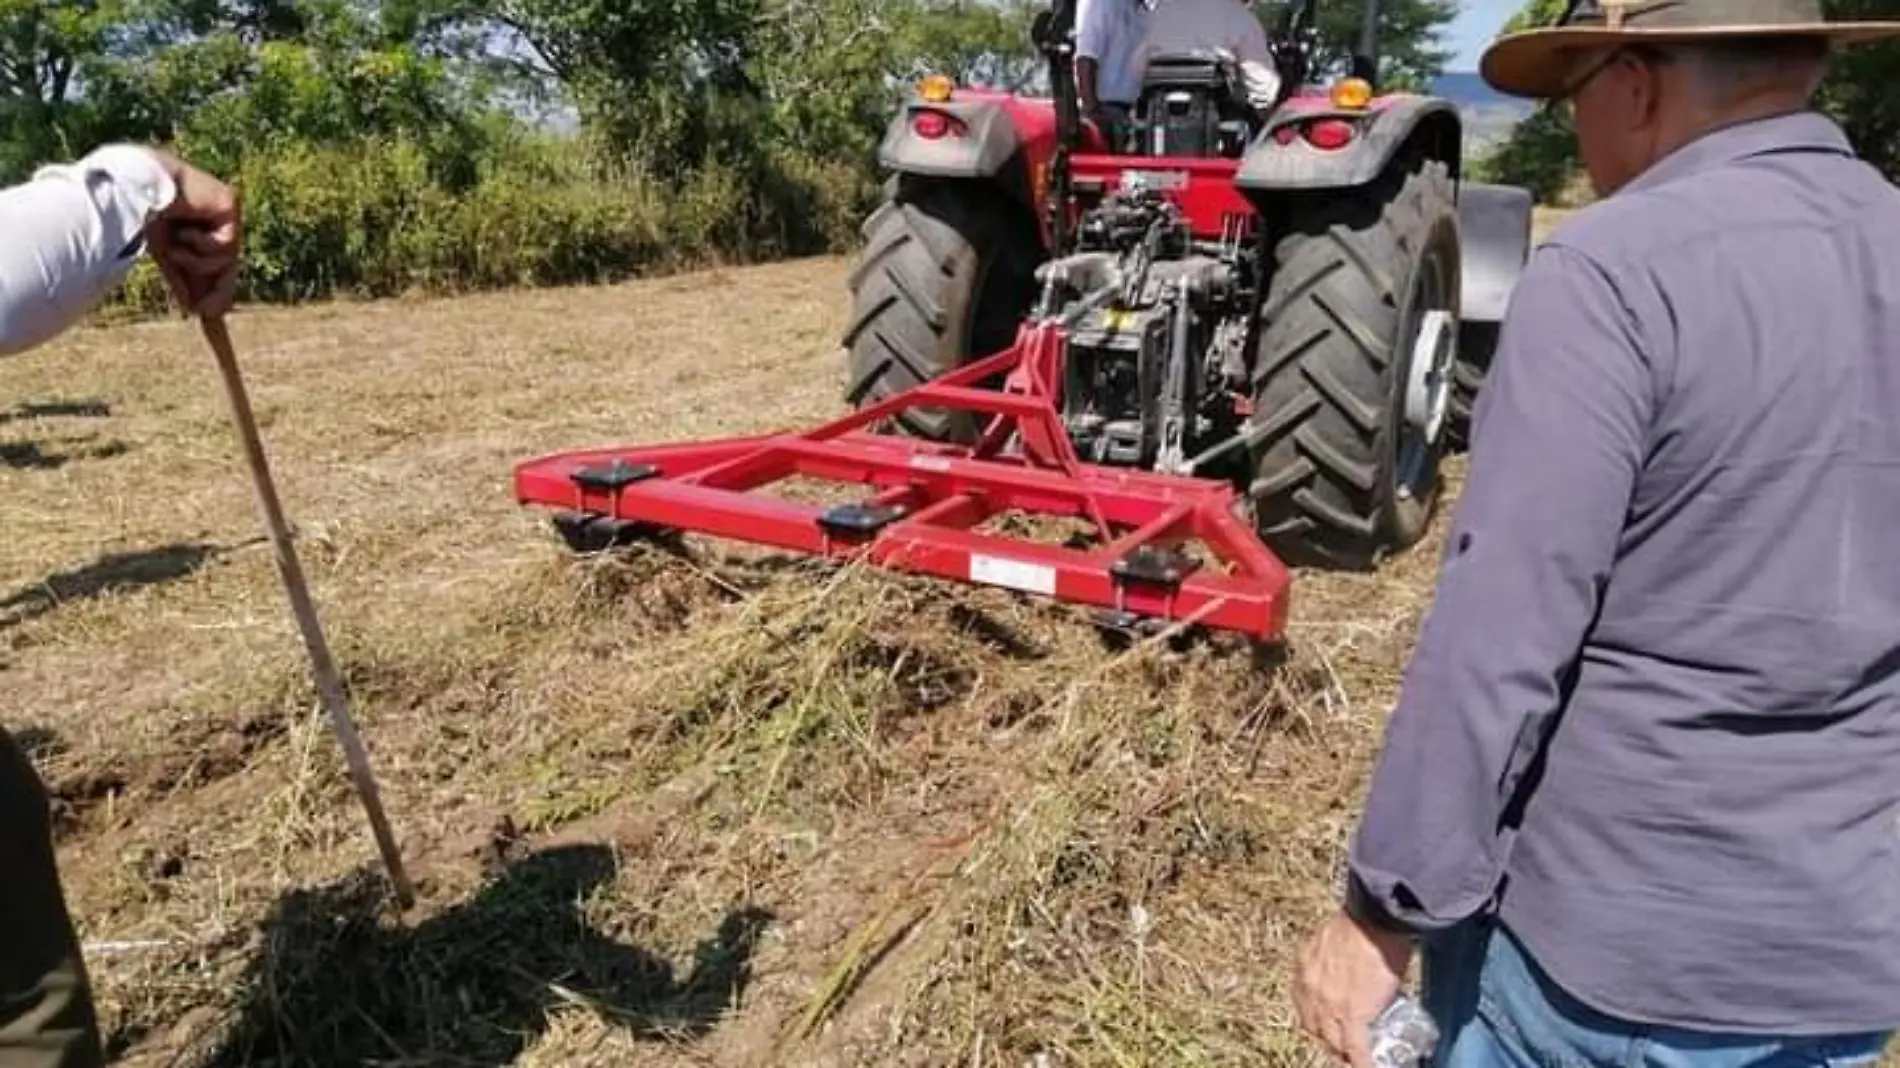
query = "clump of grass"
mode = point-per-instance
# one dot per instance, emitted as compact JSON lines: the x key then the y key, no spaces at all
{"x":1117,"y":840}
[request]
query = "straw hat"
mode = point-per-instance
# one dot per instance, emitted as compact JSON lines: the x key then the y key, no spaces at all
{"x":1536,"y":63}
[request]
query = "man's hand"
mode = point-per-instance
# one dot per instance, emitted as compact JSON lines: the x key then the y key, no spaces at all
{"x":196,"y":241}
{"x":1347,"y":976}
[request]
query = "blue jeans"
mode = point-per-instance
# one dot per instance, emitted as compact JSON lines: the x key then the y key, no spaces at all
{"x":1496,"y":1009}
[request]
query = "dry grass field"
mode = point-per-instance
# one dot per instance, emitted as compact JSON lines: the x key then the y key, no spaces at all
{"x":719,"y":810}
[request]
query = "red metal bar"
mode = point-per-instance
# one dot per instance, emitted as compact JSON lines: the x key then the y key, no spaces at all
{"x":929,"y":499}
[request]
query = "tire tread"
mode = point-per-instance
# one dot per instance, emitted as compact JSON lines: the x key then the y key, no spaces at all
{"x":1324,"y":361}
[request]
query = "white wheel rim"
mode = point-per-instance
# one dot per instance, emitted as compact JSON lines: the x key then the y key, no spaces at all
{"x":1428,"y":381}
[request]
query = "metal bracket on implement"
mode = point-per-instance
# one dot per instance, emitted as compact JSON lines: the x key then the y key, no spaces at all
{"x":927,"y":500}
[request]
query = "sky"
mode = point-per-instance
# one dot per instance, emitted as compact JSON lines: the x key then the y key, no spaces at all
{"x":1478,"y":21}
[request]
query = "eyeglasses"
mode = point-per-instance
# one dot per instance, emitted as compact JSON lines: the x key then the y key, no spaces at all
{"x":1564,"y":102}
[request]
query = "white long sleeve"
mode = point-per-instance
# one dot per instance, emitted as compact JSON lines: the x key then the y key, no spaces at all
{"x":1257,"y":68}
{"x":1262,"y":82}
{"x":69,"y":235}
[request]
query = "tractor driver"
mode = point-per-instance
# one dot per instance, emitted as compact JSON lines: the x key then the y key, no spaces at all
{"x":1225,"y":28}
{"x":1108,"y":63}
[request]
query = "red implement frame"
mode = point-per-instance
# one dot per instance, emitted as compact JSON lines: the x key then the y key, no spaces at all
{"x":933,"y":496}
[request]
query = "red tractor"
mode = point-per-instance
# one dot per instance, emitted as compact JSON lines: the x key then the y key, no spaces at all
{"x":1306,"y":301}
{"x":1235,"y":342}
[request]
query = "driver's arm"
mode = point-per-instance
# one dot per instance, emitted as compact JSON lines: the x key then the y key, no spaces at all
{"x":1257,"y":68}
{"x":1091,"y":40}
{"x":1262,"y":82}
{"x":1085,"y":69}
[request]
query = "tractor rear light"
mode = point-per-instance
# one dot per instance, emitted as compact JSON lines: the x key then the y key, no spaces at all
{"x":1329,"y":134}
{"x":932,"y":125}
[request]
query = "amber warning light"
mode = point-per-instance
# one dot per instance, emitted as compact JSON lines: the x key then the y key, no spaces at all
{"x":1352,"y":93}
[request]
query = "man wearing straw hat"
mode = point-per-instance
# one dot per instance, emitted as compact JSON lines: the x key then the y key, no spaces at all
{"x":67,"y":237}
{"x":1639,"y":802}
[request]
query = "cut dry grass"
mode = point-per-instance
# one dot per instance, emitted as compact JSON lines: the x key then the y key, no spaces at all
{"x":719,"y":808}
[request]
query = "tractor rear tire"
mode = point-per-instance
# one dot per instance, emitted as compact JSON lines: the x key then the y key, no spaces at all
{"x":947,"y":274}
{"x":1337,"y":338}
{"x":1474,"y":363}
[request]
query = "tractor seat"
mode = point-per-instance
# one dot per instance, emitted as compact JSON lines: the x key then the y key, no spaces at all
{"x":1191,"y":70}
{"x":1193,"y":105}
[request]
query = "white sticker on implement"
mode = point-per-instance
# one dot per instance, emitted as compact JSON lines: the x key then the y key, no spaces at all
{"x":1013,"y":574}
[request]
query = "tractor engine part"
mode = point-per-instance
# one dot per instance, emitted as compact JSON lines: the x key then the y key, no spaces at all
{"x":1151,"y":367}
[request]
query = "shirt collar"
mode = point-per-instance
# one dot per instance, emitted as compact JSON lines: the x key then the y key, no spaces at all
{"x":1800,"y":131}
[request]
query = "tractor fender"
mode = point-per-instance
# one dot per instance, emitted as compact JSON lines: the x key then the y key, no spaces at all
{"x":982,"y":141}
{"x":1379,"y":135}
{"x":1494,"y":237}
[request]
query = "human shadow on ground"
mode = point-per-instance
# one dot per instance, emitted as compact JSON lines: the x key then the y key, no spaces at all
{"x":108,"y":574}
{"x":89,"y":409}
{"x":475,"y":984}
{"x":38,"y":743}
{"x":30,"y":455}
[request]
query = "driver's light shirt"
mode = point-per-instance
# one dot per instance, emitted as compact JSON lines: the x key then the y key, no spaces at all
{"x":1180,"y":27}
{"x":1214,"y":27}
{"x":1110,"y":33}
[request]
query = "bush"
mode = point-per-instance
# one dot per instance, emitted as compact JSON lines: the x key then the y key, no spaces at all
{"x":1539,"y":154}
{"x":372,"y":219}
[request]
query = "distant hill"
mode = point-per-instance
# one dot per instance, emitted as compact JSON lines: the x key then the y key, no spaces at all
{"x":1487,"y":113}
{"x":1467,"y":88}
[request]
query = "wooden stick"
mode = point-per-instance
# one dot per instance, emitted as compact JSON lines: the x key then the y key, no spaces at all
{"x":328,"y":683}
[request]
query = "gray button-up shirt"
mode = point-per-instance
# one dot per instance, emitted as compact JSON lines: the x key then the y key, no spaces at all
{"x":1677,"y":562}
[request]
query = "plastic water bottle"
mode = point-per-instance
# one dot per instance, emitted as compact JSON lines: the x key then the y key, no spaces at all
{"x":1403,"y":1036}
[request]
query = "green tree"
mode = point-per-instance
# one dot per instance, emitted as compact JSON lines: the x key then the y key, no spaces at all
{"x":978,"y":43}
{"x":1859,"y":89}
{"x":1541,"y":153}
{"x":1409,"y":38}
{"x":381,"y":144}
{"x":655,"y":79}
{"x":49,"y":50}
